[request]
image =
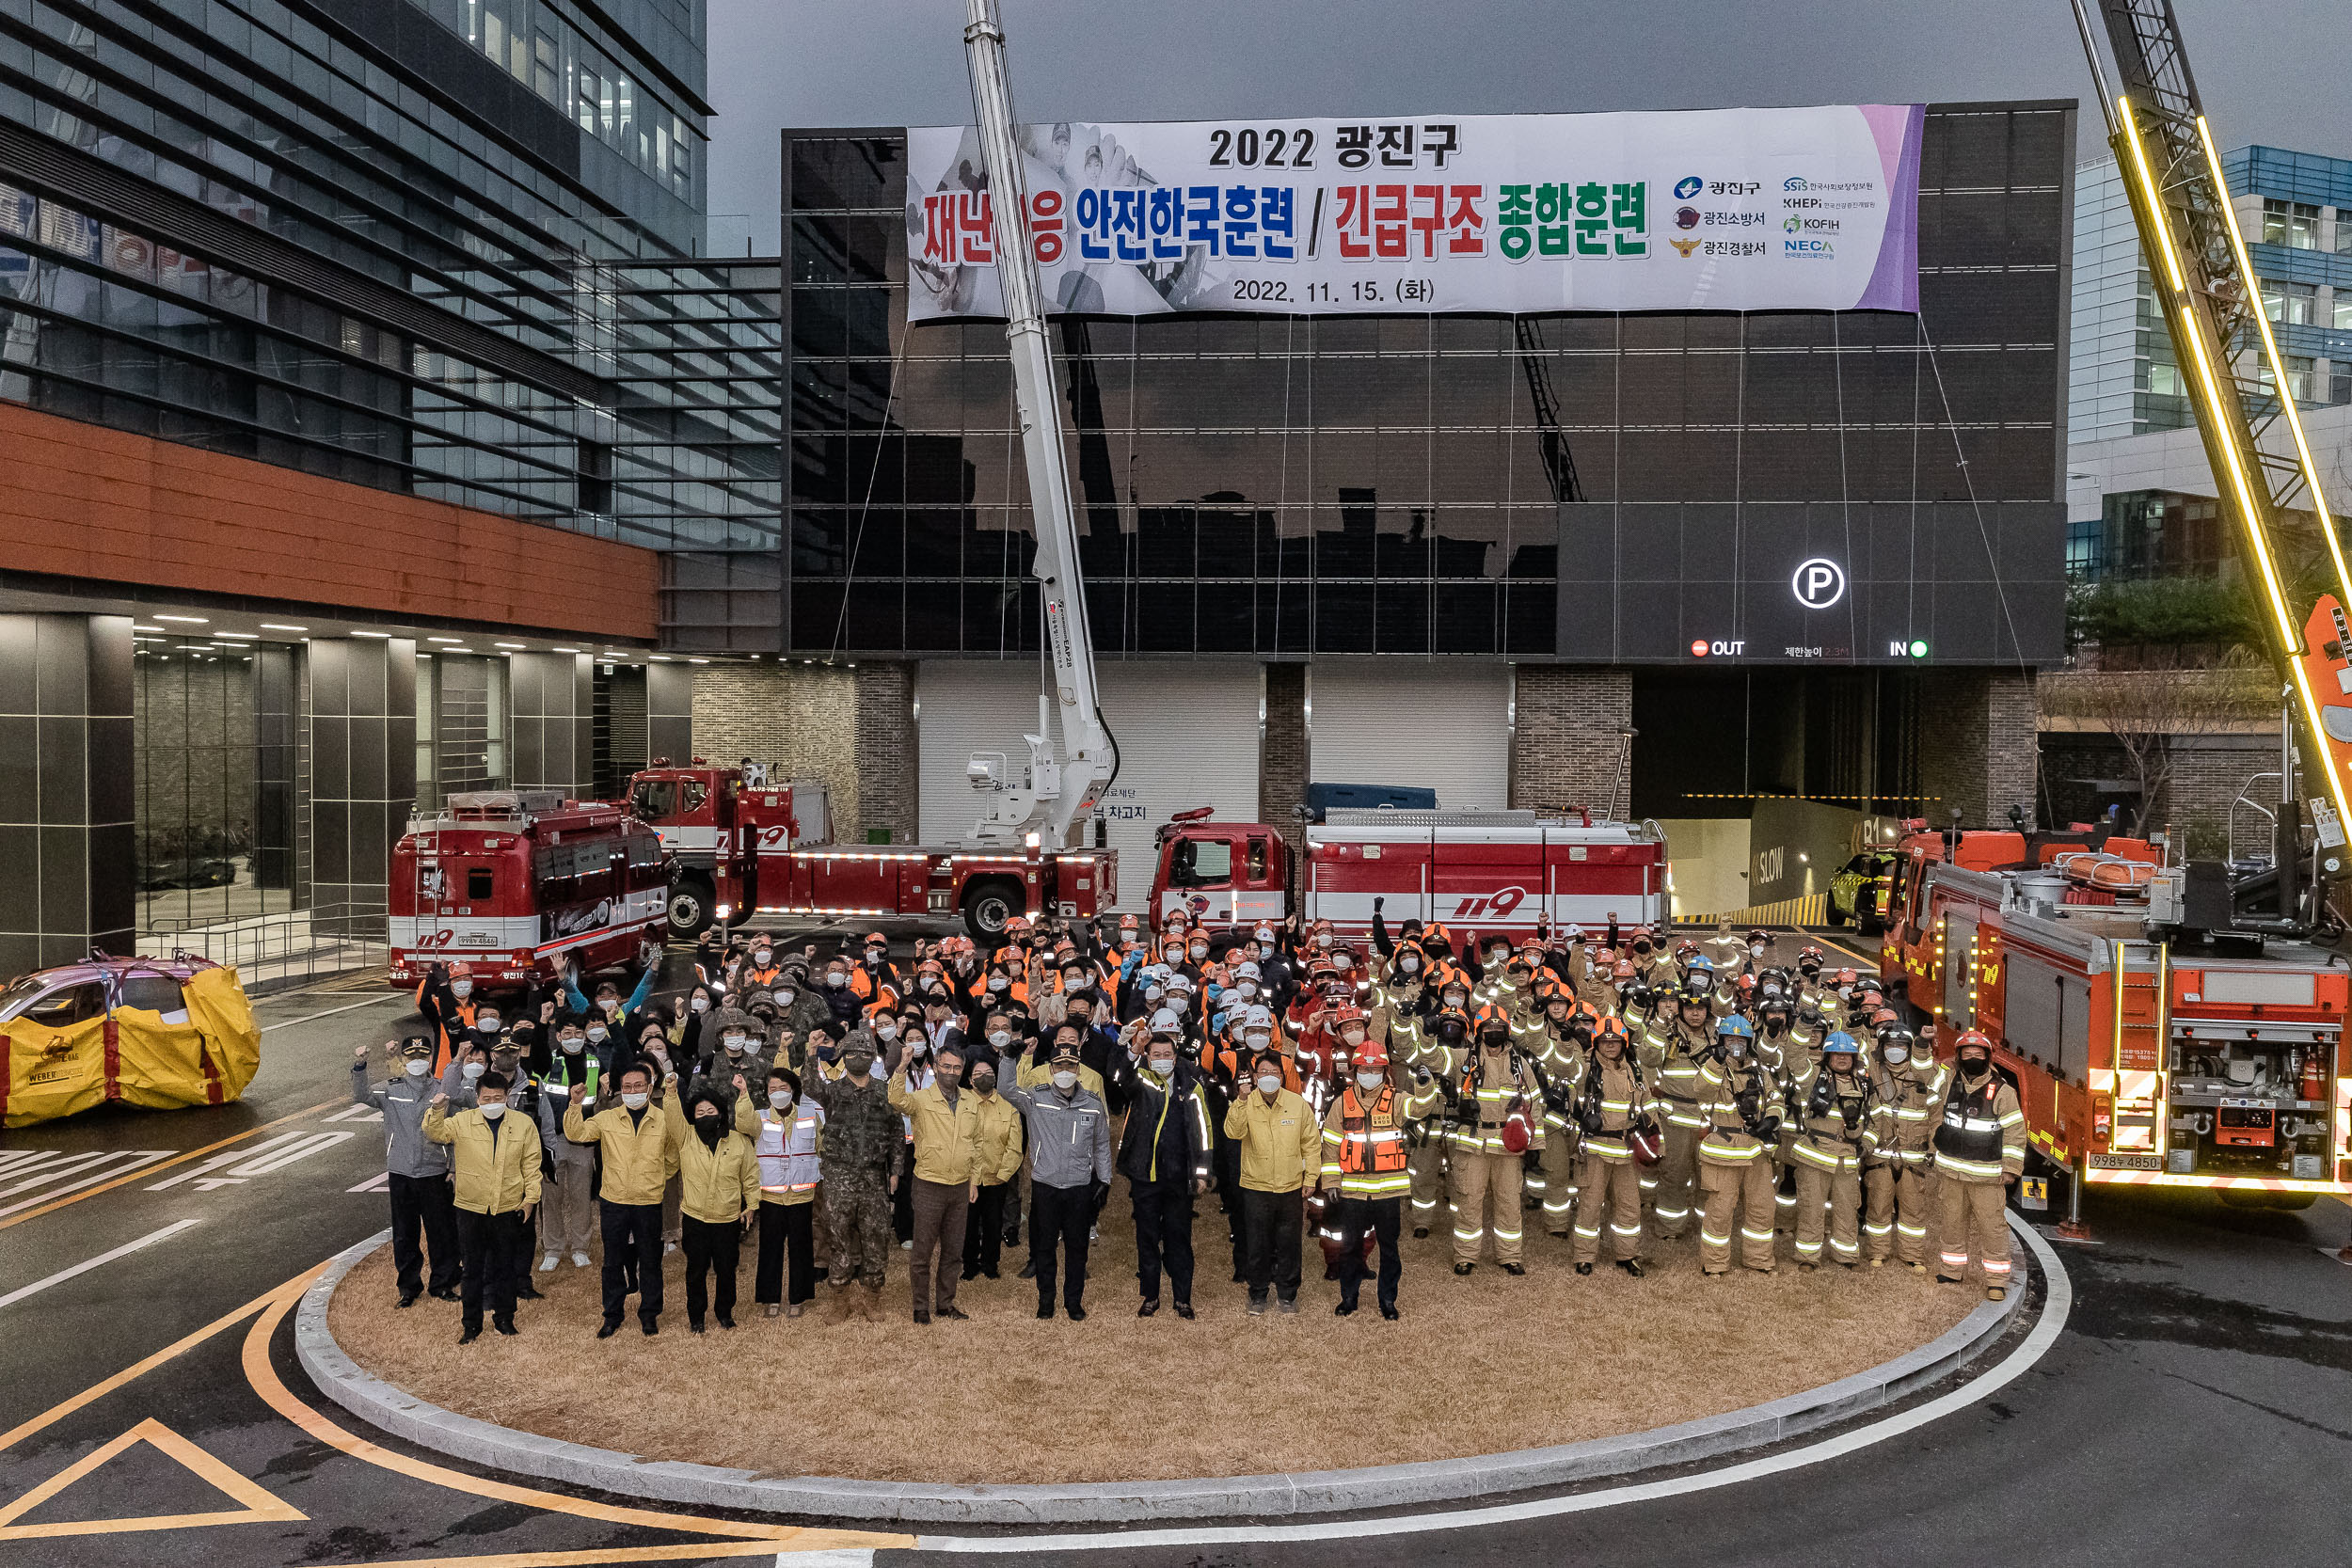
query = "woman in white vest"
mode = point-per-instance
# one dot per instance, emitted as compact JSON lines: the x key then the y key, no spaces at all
{"x":788,"y":1135}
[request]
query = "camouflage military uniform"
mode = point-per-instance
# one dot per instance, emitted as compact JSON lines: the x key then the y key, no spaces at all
{"x":862,"y":1138}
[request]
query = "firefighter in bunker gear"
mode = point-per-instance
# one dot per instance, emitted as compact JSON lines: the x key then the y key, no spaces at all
{"x":1838,"y":1130}
{"x":1558,"y":1045}
{"x":1497,"y":1110}
{"x":1364,"y":1165}
{"x":1675,"y":1047}
{"x":1617,"y":1094}
{"x":1742,"y":1101}
{"x":1980,"y":1148}
{"x":1428,"y":1143}
{"x":1894,"y":1184}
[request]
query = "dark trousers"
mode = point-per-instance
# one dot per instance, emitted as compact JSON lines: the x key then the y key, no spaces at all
{"x":984,"y":1234}
{"x":1059,"y":1217}
{"x":423,"y":1204}
{"x":496,"y":1251}
{"x":1381,"y":1216}
{"x":1163,"y":1238}
{"x":632,"y":1241}
{"x":902,"y":1201}
{"x":715,"y":1247}
{"x":940,"y":1211}
{"x":786,"y":1233}
{"x":1270,"y":1226}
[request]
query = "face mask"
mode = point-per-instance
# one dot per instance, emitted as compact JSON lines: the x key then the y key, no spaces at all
{"x":1065,"y":1079}
{"x":984,"y":1083}
{"x":1162,"y":1065}
{"x":735,"y":1043}
{"x":1000,"y":1037}
{"x":635,"y":1101}
{"x":474,"y":1070}
{"x":1370,"y":1081}
{"x":1498,"y":958}
{"x":780,"y":1099}
{"x":1353,"y":1036}
{"x":1073,"y":981}
{"x":1342,"y":963}
{"x":783,"y":998}
{"x":486,"y":1024}
{"x":609,"y":1004}
{"x":570,"y":1043}
{"x":997,"y":982}
{"x":1409,"y":964}
{"x":417,"y":1067}
{"x":836,"y":980}
{"x":761,"y":957}
{"x":1152,"y":993}
{"x":1454,"y":999}
{"x":596,"y":1032}
{"x":1248,"y":988}
{"x":1975,"y":1066}
{"x":1259,"y":1037}
{"x":859,"y":1063}
{"x":463,"y":987}
{"x":1756,"y":949}
{"x":1199,"y":950}
{"x":1895,"y":1056}
{"x":1323,"y":939}
{"x":492,"y":1109}
{"x":1268,"y":1083}
{"x":701,"y":1004}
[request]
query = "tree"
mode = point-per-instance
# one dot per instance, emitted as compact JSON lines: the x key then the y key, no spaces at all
{"x":2149,"y":711}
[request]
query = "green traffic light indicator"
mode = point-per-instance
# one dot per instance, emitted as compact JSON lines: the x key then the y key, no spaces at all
{"x":1918,"y":650}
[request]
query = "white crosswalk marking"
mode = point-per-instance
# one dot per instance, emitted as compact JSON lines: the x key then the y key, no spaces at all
{"x":356,"y":1113}
{"x":238,"y":1166}
{"x":40,"y":1175}
{"x":381,"y":1183}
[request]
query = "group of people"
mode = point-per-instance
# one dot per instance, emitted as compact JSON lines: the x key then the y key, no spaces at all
{"x":839,"y":1107}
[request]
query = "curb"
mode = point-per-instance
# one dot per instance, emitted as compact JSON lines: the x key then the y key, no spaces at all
{"x":1287,"y":1495}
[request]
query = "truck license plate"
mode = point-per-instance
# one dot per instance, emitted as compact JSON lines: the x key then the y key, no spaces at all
{"x":2123,"y":1162}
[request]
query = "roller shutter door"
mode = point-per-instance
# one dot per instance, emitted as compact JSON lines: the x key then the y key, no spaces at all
{"x":1188,"y":737}
{"x":1439,"y":727}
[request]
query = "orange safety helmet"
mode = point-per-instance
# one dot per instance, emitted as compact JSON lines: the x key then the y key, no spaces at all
{"x":461,"y":970}
{"x":1973,"y":1036}
{"x":1371,"y":1053}
{"x":1490,"y":1014}
{"x":1610,"y":1026}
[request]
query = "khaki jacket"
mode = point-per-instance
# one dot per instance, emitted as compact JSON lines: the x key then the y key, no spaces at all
{"x":1282,"y":1142}
{"x":639,"y":1157}
{"x":716,"y":1183}
{"x":945,"y":1136}
{"x":495,"y":1176}
{"x":996,"y":1143}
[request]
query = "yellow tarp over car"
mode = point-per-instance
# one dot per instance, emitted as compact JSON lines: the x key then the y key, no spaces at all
{"x":133,"y":1056}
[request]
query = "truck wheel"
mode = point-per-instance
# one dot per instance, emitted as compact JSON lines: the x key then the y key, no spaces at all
{"x":989,"y":906}
{"x":690,"y":906}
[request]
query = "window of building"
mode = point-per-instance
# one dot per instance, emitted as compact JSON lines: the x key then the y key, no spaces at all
{"x":2293,"y":224}
{"x":2165,"y":380}
{"x":2342,"y":311}
{"x":2085,"y":550}
{"x":2340,"y":381}
{"x":2291,"y":304}
{"x":2343,"y":228}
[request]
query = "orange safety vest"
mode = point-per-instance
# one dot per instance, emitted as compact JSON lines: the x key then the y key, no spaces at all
{"x":1371,"y":1143}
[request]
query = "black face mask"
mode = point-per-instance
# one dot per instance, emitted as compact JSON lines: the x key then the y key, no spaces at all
{"x":709,"y":1128}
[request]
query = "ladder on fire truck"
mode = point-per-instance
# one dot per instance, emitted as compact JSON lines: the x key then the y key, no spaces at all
{"x":2262,"y":462}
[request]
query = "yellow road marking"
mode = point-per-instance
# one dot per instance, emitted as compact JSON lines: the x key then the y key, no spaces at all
{"x":145,"y":1171}
{"x":688,"y":1553}
{"x":274,"y":1393}
{"x":259,"y":1506}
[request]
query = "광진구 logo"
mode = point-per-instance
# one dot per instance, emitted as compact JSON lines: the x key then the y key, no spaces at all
{"x":1688,"y":186}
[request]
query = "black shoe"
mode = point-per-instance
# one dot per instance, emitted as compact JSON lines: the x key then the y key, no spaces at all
{"x":1151,"y":1306}
{"x":1044,"y":1310}
{"x":725,"y":1321}
{"x":1461,"y":1269}
{"x":1388,"y":1313}
{"x":921,"y":1316}
{"x":1345,"y":1310}
{"x":447,"y":1292}
{"x":1632,"y":1266}
{"x":694,"y":1325}
{"x":1241,"y":1276}
{"x":505,"y":1326}
{"x":608,"y":1328}
{"x":1584,"y":1268}
{"x":408,"y":1298}
{"x":650,"y":1326}
{"x":990,"y":1273}
{"x":1515,"y":1270}
{"x":1184,"y":1310}
{"x":530,"y":1294}
{"x":469,"y":1337}
{"x":1028,"y":1270}
{"x":822,"y":1271}
{"x":952,"y":1315}
{"x":1077,"y":1314}
{"x":1013,"y":1238}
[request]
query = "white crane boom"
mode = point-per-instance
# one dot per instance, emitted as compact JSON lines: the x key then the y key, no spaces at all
{"x":1060,"y":785}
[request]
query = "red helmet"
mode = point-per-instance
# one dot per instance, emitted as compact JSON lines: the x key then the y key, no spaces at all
{"x":1371,"y":1053}
{"x":461,"y":970}
{"x":1973,"y":1036}
{"x":1845,"y":978}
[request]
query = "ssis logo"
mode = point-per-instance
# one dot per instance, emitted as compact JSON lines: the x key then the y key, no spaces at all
{"x":1688,"y":186}
{"x":1683,"y":247}
{"x":1795,"y":183}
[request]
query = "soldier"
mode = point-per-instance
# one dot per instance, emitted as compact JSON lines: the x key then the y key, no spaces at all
{"x":1613,"y":1099}
{"x":1673,"y":1049}
{"x":1736,"y":1179}
{"x":1839,"y":1131}
{"x":1894,"y":1187}
{"x":1980,"y":1148}
{"x":863,"y":1138}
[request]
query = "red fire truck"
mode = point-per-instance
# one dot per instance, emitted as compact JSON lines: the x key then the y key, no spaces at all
{"x":739,"y":852}
{"x":2152,"y":1045}
{"x":516,"y":881}
{"x":1492,"y":870}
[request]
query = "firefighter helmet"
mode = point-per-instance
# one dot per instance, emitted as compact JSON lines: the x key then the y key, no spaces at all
{"x":1371,"y":1053}
{"x":1973,"y":1038}
{"x":1610,"y":1027}
{"x":1491,"y":1018}
{"x":1686,"y":950}
{"x":1345,"y":1014}
{"x":1839,"y":1042}
{"x":1733,"y":1024}
{"x":461,"y":970}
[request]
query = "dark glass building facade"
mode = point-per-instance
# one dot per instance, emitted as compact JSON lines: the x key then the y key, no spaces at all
{"x":1588,"y":488}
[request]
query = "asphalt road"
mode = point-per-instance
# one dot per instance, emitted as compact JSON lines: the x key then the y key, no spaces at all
{"x":2197,"y":1408}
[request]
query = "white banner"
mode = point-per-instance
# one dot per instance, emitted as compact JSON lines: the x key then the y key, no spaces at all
{"x":1812,"y":209}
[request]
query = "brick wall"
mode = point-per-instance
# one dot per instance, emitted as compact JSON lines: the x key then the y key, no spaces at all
{"x":1570,"y":733}
{"x":1282,"y":751}
{"x":2209,"y":771}
{"x":889,"y":761}
{"x":800,"y":720}
{"x":1976,"y":747}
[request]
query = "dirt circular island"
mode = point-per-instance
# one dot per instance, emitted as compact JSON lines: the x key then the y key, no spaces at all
{"x":1476,"y":1366}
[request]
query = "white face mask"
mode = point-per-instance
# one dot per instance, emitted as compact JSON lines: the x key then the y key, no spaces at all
{"x":1268,"y":1083}
{"x":474,"y":1070}
{"x":836,"y":980}
{"x":1408,"y":964}
{"x":780,"y":1099}
{"x":1000,"y":1037}
{"x":492,"y":1109}
{"x":1454,"y":999}
{"x":736,"y":1042}
{"x":885,"y":1031}
{"x":701,"y":1003}
{"x":635,"y":1101}
{"x":1756,"y":949}
{"x":762,"y":957}
{"x":1248,"y":988}
{"x":1352,"y":1037}
{"x":572,"y":1044}
{"x":1200,"y":949}
{"x":1152,"y":993}
{"x":417,"y":1067}
{"x":486,"y":1023}
{"x":1065,"y":1079}
{"x":463,"y":987}
{"x":1370,"y":1081}
{"x":1257,"y":1038}
{"x":1162,"y":1065}
{"x":997,"y":982}
{"x":1896,"y":1056}
{"x":783,"y":998}
{"x":1323,"y":939}
{"x":596,"y":1032}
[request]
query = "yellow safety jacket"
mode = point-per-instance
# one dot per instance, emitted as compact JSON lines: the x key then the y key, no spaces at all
{"x":1280,"y":1140}
{"x":496,"y":1173}
{"x":639,"y":1156}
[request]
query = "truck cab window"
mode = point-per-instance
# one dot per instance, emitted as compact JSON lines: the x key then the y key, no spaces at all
{"x":479,"y":881}
{"x":695,"y":792}
{"x":1257,"y":859}
{"x":1202,"y":863}
{"x":655,"y":799}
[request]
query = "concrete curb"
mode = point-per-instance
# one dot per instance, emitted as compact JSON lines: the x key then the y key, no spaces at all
{"x":1107,"y":1503}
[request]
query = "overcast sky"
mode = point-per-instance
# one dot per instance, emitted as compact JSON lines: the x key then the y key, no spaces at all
{"x":2270,"y":71}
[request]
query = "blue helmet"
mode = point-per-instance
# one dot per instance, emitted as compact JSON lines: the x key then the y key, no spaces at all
{"x":1733,"y":1024}
{"x":1703,"y":961}
{"x":1840,"y":1041}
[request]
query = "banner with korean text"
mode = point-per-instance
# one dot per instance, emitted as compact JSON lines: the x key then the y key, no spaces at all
{"x":1806,"y":209}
